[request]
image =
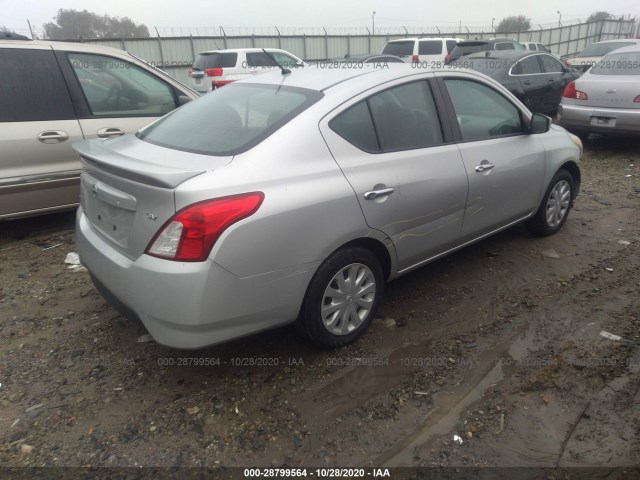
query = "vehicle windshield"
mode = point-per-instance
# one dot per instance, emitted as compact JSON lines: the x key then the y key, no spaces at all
{"x":399,"y":49}
{"x":229,"y":120}
{"x":601,"y":49}
{"x":627,"y":63}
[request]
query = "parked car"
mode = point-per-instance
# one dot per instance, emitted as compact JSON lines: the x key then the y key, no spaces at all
{"x":584,"y":60}
{"x":414,"y":50}
{"x":54,"y":93}
{"x":536,"y":46}
{"x":536,"y":78}
{"x":606,"y":99}
{"x":275,"y":200}
{"x":467,"y":47}
{"x":375,"y":58}
{"x":216,"y":68}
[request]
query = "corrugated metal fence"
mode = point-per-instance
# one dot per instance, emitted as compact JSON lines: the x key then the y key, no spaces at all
{"x":176,"y":54}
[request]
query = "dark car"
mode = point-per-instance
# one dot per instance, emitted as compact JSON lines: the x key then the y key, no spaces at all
{"x":370,"y":58}
{"x":474,"y":46}
{"x":536,"y":78}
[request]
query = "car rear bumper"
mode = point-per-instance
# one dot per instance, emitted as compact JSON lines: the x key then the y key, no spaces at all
{"x":191,"y":305}
{"x":586,"y":119}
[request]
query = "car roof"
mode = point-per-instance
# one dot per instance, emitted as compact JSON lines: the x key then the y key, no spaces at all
{"x":634,"y":40}
{"x":239,"y":50}
{"x":56,"y":45}
{"x":505,"y":54}
{"x":629,"y":48}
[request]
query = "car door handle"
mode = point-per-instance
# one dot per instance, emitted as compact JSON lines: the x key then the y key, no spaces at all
{"x":484,"y":167}
{"x":53,"y":136}
{"x":527,"y":82}
{"x":110,"y":132}
{"x":373,"y":194}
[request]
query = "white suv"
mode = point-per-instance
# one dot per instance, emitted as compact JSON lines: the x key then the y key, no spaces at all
{"x":218,"y":67}
{"x":416,"y":50}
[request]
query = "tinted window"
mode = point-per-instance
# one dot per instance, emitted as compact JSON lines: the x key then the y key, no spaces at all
{"x":601,"y":49}
{"x":550,"y":64}
{"x":504,"y":46}
{"x":406,"y":117}
{"x":229,"y":120}
{"x":259,"y":59}
{"x":399,"y":48}
{"x":32,"y":87}
{"x":482,"y":112}
{"x":113,"y":87}
{"x":215,"y":60}
{"x":285,"y":60}
{"x":451,"y":44}
{"x":527,"y":66}
{"x":430,"y":47}
{"x":542,"y":48}
{"x":356,"y":127}
{"x":627,"y":63}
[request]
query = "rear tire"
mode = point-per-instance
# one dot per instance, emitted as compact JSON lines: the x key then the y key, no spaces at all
{"x":342,"y":298}
{"x":555,"y":206}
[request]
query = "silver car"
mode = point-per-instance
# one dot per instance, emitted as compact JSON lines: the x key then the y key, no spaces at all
{"x":606,"y":99}
{"x":295,"y":197}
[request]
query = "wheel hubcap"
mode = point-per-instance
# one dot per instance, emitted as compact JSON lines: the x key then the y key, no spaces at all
{"x":558,"y":203}
{"x":348,"y":299}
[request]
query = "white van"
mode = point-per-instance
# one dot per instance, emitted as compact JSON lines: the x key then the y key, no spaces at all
{"x":428,"y":50}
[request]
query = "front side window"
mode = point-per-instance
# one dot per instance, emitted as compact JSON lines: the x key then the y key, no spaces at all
{"x":114,"y":87}
{"x":482,"y":112}
{"x":230,"y":120}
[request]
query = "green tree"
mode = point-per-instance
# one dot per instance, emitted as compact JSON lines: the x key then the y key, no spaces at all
{"x":71,"y":24}
{"x":598,"y":16}
{"x":515,"y":23}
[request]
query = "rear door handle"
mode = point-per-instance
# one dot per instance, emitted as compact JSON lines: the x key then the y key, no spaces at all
{"x":527,"y":82}
{"x":110,"y":132}
{"x":484,"y":167}
{"x":373,"y":194}
{"x":53,"y":136}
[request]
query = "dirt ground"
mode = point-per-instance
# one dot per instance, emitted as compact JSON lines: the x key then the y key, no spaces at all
{"x":499,"y":345}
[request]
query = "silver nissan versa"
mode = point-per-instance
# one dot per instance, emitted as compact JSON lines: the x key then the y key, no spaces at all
{"x":294,"y":197}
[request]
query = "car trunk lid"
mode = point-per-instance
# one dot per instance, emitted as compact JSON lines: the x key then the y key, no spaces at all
{"x":128,"y":188}
{"x":609,"y":91}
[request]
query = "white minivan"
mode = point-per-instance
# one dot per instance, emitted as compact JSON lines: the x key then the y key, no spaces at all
{"x":428,"y":50}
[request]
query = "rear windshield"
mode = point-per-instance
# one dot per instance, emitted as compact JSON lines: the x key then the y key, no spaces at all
{"x":461,"y":50}
{"x":399,"y":49}
{"x":229,"y":120}
{"x":215,"y":60}
{"x":430,"y":47}
{"x":601,"y":49}
{"x":627,"y":63}
{"x":486,"y":65}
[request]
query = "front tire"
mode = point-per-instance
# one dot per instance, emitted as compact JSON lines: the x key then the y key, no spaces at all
{"x":555,"y":207}
{"x":342,"y":298}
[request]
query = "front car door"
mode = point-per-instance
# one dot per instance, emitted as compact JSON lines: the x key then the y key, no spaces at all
{"x":505,"y":164}
{"x":406,"y":172}
{"x":39,"y":170}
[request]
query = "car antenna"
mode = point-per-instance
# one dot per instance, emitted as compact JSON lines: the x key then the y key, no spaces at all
{"x":285,"y":71}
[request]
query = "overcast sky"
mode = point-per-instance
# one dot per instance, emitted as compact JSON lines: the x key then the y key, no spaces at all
{"x":327,"y":13}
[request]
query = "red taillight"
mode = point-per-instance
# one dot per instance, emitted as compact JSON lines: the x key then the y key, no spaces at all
{"x":213,"y":72}
{"x":637,"y":99}
{"x":191,"y":233}
{"x":571,"y":92}
{"x":447,"y":57}
{"x":415,"y":59}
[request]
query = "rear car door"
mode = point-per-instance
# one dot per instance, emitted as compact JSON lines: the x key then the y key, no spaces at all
{"x":533,"y":83}
{"x":114,"y":96}
{"x":557,"y":77}
{"x":408,"y":176}
{"x":505,"y":165}
{"x":39,"y":171}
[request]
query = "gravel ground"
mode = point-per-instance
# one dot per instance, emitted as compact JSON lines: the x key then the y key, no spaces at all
{"x":499,"y":345}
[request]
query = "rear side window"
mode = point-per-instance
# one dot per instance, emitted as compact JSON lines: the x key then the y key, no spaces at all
{"x":527,"y":66}
{"x":430,"y":47}
{"x":399,"y":49}
{"x":550,"y":64}
{"x":216,"y":60}
{"x":356,"y":127}
{"x":33,"y":88}
{"x":229,"y":120}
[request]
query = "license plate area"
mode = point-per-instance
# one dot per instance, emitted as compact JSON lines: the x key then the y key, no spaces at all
{"x":603,"y":121}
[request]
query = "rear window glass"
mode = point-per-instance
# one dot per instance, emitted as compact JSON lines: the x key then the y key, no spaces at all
{"x":430,"y":47}
{"x":451,"y":44}
{"x":399,"y":48}
{"x":461,"y":50}
{"x":627,"y":63}
{"x":216,"y":60}
{"x":601,"y":49}
{"x":229,"y":120}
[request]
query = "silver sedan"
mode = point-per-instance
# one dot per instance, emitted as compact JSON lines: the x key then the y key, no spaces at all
{"x":294,"y":197}
{"x":606,"y":99}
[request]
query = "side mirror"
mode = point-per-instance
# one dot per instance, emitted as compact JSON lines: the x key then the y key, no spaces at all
{"x":182,"y":99}
{"x":540,"y":123}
